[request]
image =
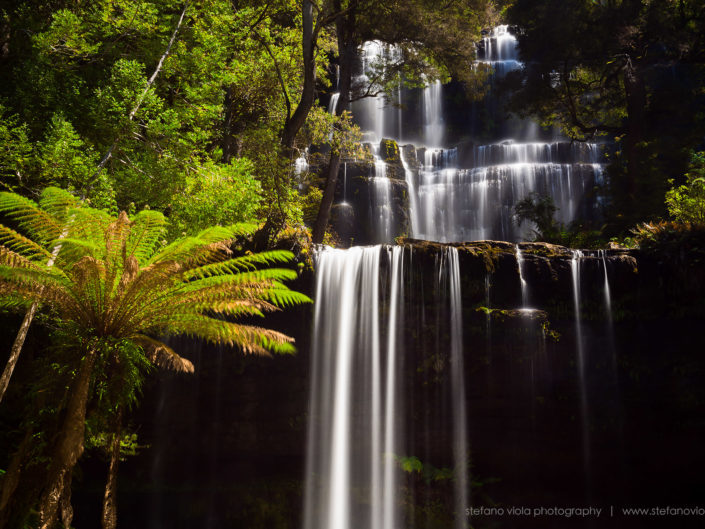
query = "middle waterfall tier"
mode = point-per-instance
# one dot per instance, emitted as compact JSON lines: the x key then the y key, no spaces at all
{"x":468,"y":192}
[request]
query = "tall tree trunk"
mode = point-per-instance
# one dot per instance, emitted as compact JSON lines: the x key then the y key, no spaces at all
{"x":308,"y":91}
{"x":70,"y":443}
{"x":109,"y":519}
{"x":16,"y":349}
{"x":345,"y":30}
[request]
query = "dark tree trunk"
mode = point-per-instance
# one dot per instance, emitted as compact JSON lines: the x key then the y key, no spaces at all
{"x":16,"y":349}
{"x":345,"y":30}
{"x":69,"y":446}
{"x":308,"y":92}
{"x":109,"y":519}
{"x":229,"y":143}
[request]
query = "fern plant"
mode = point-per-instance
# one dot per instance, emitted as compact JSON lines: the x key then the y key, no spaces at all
{"x":115,"y":280}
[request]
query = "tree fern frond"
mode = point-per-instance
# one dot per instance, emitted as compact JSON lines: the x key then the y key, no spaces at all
{"x":222,"y":233}
{"x":251,"y":339}
{"x":73,"y":249}
{"x":240,"y":264}
{"x":14,"y":259}
{"x":88,"y":224}
{"x":253,"y":277}
{"x":13,"y":301}
{"x":186,"y":249}
{"x":285,"y":297}
{"x":22,"y":245}
{"x":147,"y":228}
{"x":31,"y":281}
{"x":57,"y":203}
{"x":39,"y":224}
{"x":161,"y":355}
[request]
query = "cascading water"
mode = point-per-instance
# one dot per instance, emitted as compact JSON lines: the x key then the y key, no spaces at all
{"x":455,"y":198}
{"x":476,"y":204}
{"x":460,"y":443}
{"x":354,"y":406}
{"x":413,"y":201}
{"x":433,"y":114}
{"x":382,"y":202}
{"x":580,"y":360}
{"x":499,"y":50}
{"x":357,"y":425}
{"x":524,"y":284}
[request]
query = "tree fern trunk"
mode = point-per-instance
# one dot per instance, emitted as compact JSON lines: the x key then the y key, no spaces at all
{"x":70,"y":444}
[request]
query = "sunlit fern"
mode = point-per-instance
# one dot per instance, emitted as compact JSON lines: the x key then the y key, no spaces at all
{"x":114,"y":277}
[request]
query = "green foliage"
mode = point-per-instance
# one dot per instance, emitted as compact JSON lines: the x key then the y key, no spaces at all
{"x":216,"y":194}
{"x":538,"y":209}
{"x":429,"y":473}
{"x":686,"y":203}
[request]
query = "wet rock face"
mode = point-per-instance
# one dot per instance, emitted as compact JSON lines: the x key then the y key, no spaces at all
{"x":360,"y":207}
{"x":411,"y":157}
{"x":389,"y":152}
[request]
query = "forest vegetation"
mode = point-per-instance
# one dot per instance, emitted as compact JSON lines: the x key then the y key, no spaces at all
{"x":147,"y":161}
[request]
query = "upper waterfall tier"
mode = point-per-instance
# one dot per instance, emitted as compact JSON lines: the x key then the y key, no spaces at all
{"x":499,"y":50}
{"x":468,"y":191}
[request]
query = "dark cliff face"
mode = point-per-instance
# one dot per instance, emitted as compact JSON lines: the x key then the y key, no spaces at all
{"x":226,"y":446}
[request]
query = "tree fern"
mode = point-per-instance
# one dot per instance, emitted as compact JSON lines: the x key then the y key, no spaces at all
{"x":114,"y":282}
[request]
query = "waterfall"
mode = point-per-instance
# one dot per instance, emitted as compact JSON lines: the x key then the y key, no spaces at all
{"x":460,"y":444}
{"x":354,"y":409}
{"x":333,"y":102}
{"x":472,"y":197}
{"x":433,"y":115}
{"x":499,"y":50}
{"x":476,"y":204}
{"x":382,"y":202}
{"x":301,"y":163}
{"x":357,"y":419}
{"x":413,"y":199}
{"x":374,"y":116}
{"x":392,"y":408}
{"x":606,"y":287}
{"x":580,"y":348}
{"x":524,"y":284}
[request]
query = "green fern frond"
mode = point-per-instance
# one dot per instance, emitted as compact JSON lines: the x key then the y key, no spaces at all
{"x":14,"y":259}
{"x":251,"y":339}
{"x":57,"y":203}
{"x":285,"y":297}
{"x":162,"y":355}
{"x":37,"y":223}
{"x":240,"y":264}
{"x":17,"y":242}
{"x":147,"y":229}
